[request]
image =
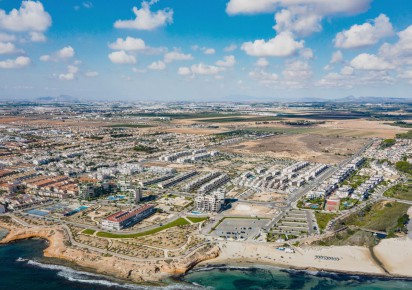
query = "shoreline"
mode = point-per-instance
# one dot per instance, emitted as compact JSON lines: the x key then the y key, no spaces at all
{"x":356,"y":261}
{"x":124,"y":269}
{"x":245,"y":265}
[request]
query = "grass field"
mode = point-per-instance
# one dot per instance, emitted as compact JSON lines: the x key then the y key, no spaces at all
{"x":197,"y":219}
{"x":323,"y":219}
{"x":178,"y":222}
{"x":401,"y":191}
{"x":88,"y":232}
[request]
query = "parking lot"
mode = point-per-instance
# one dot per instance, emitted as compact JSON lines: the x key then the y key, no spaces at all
{"x":238,"y":228}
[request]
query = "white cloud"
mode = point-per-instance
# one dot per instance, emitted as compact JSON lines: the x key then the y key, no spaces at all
{"x":157,"y":65}
{"x":8,"y":48}
{"x":306,"y":53}
{"x":401,"y":51}
{"x":71,"y":73}
{"x":347,"y":70}
{"x":204,"y":69}
{"x":121,"y":57}
{"x":209,"y":50}
{"x":262,"y":62}
{"x":297,"y":70}
{"x":299,"y":20}
{"x":184,"y":71}
{"x":29,"y":17}
{"x":264,"y":77}
{"x":175,"y":55}
{"x":37,"y":36}
{"x":19,"y":62}
{"x":63,"y":54}
{"x":322,"y":7}
{"x":337,"y":57}
{"x":7,"y":37}
{"x":200,"y":69}
{"x":228,"y":61}
{"x":366,"y":34}
{"x":87,"y":4}
{"x":281,"y":45}
{"x":128,"y":44}
{"x":91,"y":74}
{"x":365,"y":61}
{"x":146,"y":19}
{"x":230,"y":48}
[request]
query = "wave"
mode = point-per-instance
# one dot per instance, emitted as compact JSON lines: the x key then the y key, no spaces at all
{"x":96,"y":279}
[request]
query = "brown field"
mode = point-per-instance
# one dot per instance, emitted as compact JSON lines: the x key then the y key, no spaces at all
{"x":309,"y":147}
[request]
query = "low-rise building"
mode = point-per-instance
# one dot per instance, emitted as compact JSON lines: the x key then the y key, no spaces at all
{"x":124,"y":219}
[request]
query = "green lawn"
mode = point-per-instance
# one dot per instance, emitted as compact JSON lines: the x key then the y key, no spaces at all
{"x":178,"y":222}
{"x":88,"y":232}
{"x":323,"y":219}
{"x":197,"y":219}
{"x":401,"y":191}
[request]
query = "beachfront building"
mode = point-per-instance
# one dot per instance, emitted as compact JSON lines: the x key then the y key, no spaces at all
{"x":124,"y":219}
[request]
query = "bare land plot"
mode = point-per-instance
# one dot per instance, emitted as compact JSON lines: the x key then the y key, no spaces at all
{"x":309,"y":147}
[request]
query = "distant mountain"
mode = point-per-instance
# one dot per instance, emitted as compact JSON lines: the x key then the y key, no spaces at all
{"x":58,"y":99}
{"x":373,"y":100}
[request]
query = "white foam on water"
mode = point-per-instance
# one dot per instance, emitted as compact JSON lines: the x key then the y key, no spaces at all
{"x":90,"y":278}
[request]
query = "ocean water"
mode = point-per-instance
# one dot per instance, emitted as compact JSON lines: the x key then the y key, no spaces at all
{"x":23,"y":267}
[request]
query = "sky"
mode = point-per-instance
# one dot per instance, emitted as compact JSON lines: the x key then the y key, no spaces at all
{"x":205,"y":50}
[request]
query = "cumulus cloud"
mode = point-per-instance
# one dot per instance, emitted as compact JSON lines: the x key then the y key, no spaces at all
{"x":299,"y":20}
{"x":228,"y":61}
{"x":72,"y":70}
{"x":281,"y":45}
{"x":7,"y":37}
{"x":337,"y":57}
{"x":401,"y":51}
{"x":365,"y":61}
{"x":209,"y":50}
{"x":230,"y":48}
{"x":184,"y":71}
{"x":37,"y":36}
{"x":157,"y":65}
{"x":262,"y":62}
{"x":65,"y":53}
{"x":31,"y":16}
{"x":322,"y":7}
{"x":200,"y":69}
{"x":128,"y":44}
{"x":297,"y":70}
{"x":175,"y":56}
{"x":19,"y":62}
{"x":146,"y":19}
{"x":121,"y":57}
{"x":366,"y":34}
{"x":264,"y":77}
{"x":8,"y":48}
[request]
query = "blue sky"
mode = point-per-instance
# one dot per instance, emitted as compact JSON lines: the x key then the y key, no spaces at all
{"x":205,"y":50}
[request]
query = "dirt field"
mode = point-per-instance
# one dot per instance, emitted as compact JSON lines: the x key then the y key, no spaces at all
{"x":309,"y":147}
{"x":250,"y":210}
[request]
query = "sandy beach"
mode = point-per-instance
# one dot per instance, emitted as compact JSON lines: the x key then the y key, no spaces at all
{"x":394,"y":254}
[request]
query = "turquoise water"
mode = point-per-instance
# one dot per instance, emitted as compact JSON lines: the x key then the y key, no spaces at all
{"x":271,"y":278}
{"x":23,"y":267}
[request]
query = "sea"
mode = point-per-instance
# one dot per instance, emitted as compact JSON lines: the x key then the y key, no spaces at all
{"x":22,"y":266}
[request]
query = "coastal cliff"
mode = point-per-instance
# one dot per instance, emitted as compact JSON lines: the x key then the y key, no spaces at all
{"x":135,"y":271}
